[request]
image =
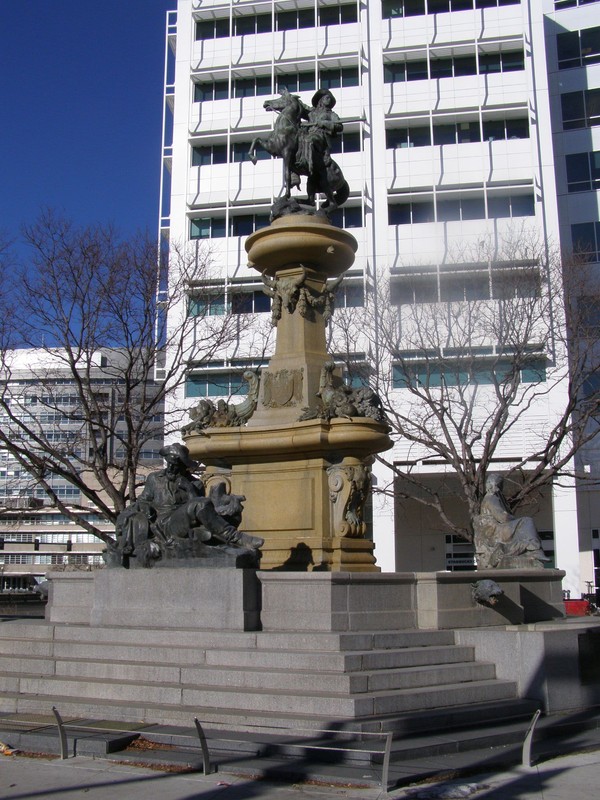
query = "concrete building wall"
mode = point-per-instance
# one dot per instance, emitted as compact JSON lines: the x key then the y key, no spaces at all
{"x":452,"y":140}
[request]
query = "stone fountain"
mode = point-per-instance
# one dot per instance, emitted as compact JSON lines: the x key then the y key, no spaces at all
{"x":303,"y":459}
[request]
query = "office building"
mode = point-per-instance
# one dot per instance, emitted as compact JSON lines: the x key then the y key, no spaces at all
{"x":468,"y":124}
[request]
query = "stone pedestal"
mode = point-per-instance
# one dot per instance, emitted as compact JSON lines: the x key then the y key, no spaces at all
{"x":305,"y":479}
{"x":221,"y":599}
{"x":445,"y":599}
{"x":338,"y":602}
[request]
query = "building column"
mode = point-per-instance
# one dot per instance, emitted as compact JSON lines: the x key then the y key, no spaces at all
{"x":566,"y":539}
{"x":384,"y":529}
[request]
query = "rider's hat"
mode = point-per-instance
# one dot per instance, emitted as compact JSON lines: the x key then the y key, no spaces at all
{"x":321,"y":93}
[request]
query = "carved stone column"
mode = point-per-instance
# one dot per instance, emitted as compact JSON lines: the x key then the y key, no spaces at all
{"x":306,"y":479}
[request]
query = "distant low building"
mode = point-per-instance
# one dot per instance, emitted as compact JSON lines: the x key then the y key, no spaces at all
{"x":34,"y":536}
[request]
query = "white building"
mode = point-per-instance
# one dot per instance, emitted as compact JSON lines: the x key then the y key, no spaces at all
{"x":34,"y":536}
{"x":464,"y":121}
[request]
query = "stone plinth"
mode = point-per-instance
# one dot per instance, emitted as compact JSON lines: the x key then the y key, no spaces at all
{"x":223,"y":599}
{"x":342,"y":601}
{"x":299,"y":481}
{"x":444,"y":599}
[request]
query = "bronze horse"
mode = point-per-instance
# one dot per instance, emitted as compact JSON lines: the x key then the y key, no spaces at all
{"x":288,"y":140}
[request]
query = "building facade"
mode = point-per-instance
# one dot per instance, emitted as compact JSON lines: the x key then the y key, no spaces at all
{"x":35,"y":536}
{"x":468,"y":124}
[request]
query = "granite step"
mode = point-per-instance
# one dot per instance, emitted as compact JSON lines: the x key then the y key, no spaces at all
{"x":38,"y":629}
{"x":247,"y":657}
{"x":265,"y":699}
{"x":281,"y":679}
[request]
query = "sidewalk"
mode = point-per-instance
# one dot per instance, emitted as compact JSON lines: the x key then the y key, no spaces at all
{"x":565,"y":778}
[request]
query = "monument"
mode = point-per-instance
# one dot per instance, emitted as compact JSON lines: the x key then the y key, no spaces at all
{"x":309,"y":442}
{"x":317,"y":636}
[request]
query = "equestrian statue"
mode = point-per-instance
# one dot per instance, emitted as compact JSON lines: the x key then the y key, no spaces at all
{"x":302,"y":137}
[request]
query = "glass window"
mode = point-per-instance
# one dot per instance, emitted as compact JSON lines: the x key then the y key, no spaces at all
{"x":583,"y":237}
{"x":595,"y":169}
{"x":452,"y":289}
{"x":221,"y":90}
{"x":567,"y":48}
{"x":241,"y":303}
{"x":590,"y":45}
{"x":261,"y":302}
{"x":354,"y":296}
{"x":352,"y":217}
{"x":392,"y":8}
{"x":394,"y":73}
{"x":263,"y":85}
{"x":350,"y":76}
{"x":448,"y":210}
{"x":472,"y":208}
{"x":438,"y":6}
{"x":511,"y":62}
{"x":493,"y":129}
{"x":263,"y":23}
{"x":219,"y":154}
{"x":242,"y":225}
{"x":498,"y":207}
{"x":419,"y":137}
{"x":422,"y":212}
{"x":203,"y":91}
{"x":201,"y":156}
{"x":205,"y":29}
{"x":286,"y":20}
{"x":489,"y":62}
{"x":244,"y":87}
{"x":441,"y":67}
{"x":306,"y":81}
{"x":416,"y":70}
{"x":222,"y":28}
{"x":444,"y":134}
{"x":573,"y":110}
{"x":468,"y":132}
{"x":534,"y":372}
{"x":213,"y":305}
{"x":396,"y":137}
{"x":306,"y":18}
{"x":414,"y":8}
{"x":244,"y":25}
{"x":522,"y":205}
{"x":463,"y":5}
{"x":199,"y":228}
{"x":592,"y":106}
{"x":465,"y":65}
{"x":348,"y":13}
{"x":578,"y":172}
{"x":517,"y":129}
{"x":330,"y":78}
{"x":329,"y":15}
{"x":399,"y":214}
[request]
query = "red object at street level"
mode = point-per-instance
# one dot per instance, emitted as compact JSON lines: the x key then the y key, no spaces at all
{"x":577,"y":608}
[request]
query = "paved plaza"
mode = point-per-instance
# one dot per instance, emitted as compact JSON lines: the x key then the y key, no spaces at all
{"x":21,"y":778}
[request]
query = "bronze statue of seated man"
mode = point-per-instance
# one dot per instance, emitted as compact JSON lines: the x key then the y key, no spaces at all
{"x":172,"y":516}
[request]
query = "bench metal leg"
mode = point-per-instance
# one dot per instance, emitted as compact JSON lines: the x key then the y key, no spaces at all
{"x":386,"y":762}
{"x":206,"y":768}
{"x":526,"y":753}
{"x":62,"y":734}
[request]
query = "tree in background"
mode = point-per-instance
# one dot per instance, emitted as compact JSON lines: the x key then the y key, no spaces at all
{"x":93,"y":305}
{"x":493,"y":348}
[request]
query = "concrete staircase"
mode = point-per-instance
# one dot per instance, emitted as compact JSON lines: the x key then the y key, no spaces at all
{"x":370,"y":681}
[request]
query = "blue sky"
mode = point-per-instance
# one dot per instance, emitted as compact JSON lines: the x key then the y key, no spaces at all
{"x":81,"y":86}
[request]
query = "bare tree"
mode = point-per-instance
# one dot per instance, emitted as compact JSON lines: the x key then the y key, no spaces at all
{"x":95,"y":308}
{"x":468,"y":357}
